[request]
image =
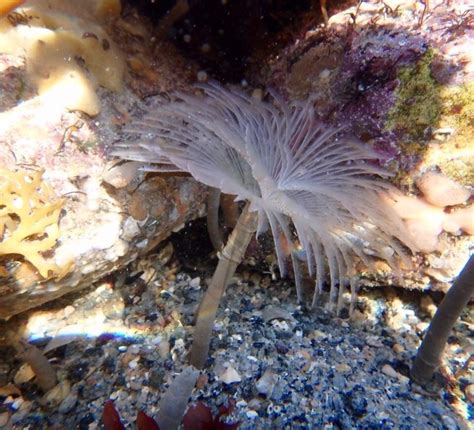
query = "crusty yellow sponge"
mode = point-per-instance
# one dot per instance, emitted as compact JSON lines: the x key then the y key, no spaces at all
{"x":68,"y":53}
{"x":29,"y":214}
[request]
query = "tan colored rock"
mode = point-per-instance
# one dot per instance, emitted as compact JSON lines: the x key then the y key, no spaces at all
{"x":230,"y":375}
{"x":391,"y":372}
{"x":427,"y":305}
{"x":24,"y":374}
{"x":108,"y":213}
{"x":55,"y":396}
{"x":398,"y":349}
{"x":426,"y":222}
{"x":266,"y":383}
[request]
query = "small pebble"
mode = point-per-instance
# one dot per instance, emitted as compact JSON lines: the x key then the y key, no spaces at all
{"x":16,"y":404}
{"x":398,"y":349}
{"x":374,"y":341}
{"x":195,"y":282}
{"x":134,"y":363}
{"x":56,"y":395}
{"x":343,"y":368}
{"x":281,"y":325}
{"x":251,"y":414}
{"x":255,"y":404}
{"x":449,"y":423}
{"x":68,"y":403}
{"x":390,"y":371}
{"x":422,"y":326}
{"x":266,"y":383}
{"x":230,"y":376}
{"x":24,"y":374}
{"x":133,"y":349}
{"x":427,"y":305}
{"x":68,"y":311}
{"x":271,"y":313}
{"x":164,"y":348}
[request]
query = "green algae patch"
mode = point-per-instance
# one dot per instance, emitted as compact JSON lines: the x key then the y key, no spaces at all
{"x":446,"y":111}
{"x":418,"y":103}
{"x":455,"y":156}
{"x":458,"y":107}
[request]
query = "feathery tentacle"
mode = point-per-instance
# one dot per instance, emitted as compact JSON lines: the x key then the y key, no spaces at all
{"x":305,"y":179}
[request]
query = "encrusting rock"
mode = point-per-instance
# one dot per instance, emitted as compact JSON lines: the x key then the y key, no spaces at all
{"x":409,"y":95}
{"x":441,"y":191}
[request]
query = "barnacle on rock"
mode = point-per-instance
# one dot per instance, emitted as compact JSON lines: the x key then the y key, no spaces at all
{"x":29,"y":212}
{"x":308,"y":183}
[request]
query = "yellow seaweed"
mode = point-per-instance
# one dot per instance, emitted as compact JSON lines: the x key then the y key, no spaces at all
{"x":29,"y":214}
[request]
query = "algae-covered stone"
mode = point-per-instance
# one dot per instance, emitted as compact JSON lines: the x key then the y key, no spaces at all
{"x":418,"y":103}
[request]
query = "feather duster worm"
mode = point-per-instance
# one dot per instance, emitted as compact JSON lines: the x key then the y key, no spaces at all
{"x":312,"y":186}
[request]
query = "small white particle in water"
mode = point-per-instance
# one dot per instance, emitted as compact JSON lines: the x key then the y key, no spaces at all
{"x":205,"y":48}
{"x":187,"y":38}
{"x":202,"y":76}
{"x":257,"y":94}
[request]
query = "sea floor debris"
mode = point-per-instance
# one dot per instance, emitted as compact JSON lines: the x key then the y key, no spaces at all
{"x":285,"y":367}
